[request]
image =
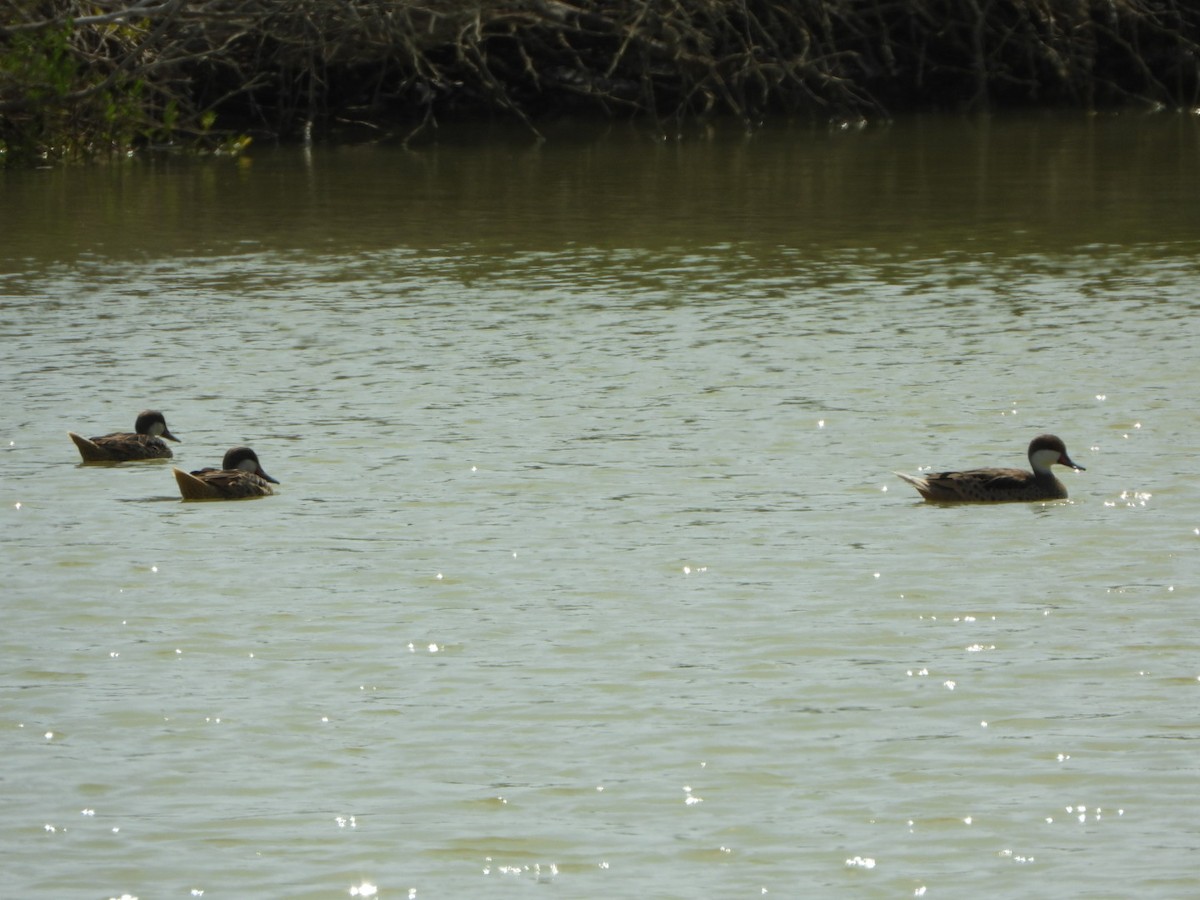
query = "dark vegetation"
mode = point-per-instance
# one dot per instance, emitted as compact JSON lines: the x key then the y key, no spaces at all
{"x":92,"y":78}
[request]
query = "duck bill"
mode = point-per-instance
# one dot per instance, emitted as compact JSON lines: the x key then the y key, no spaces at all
{"x":170,"y":437}
{"x":265,"y":477}
{"x":1066,"y":461}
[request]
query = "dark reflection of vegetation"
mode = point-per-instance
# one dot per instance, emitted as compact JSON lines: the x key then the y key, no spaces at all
{"x":82,"y":77}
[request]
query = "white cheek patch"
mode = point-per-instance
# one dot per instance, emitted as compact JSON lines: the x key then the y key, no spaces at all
{"x":1044,"y":459}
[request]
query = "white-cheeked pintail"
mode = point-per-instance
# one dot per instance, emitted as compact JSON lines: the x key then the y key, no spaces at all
{"x":145,"y":442}
{"x":1001,"y":485}
{"x":241,"y":476}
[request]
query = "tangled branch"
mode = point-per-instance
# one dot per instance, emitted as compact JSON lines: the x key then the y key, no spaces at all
{"x":130,"y":71}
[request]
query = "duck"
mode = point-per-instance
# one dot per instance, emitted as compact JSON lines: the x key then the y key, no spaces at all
{"x":241,"y":476}
{"x":145,"y":442}
{"x":1001,"y":485}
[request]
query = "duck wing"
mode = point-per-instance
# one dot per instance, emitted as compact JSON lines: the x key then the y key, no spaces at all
{"x":220,"y":484}
{"x":972,"y":485}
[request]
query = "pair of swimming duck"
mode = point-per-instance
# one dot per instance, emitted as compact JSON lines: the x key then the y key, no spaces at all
{"x":240,"y":476}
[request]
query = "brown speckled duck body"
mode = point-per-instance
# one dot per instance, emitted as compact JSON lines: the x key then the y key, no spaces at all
{"x":1001,"y":485}
{"x":145,"y":442}
{"x":240,"y":477}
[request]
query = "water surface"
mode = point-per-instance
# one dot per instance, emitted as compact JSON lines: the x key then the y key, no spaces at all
{"x":588,"y":568}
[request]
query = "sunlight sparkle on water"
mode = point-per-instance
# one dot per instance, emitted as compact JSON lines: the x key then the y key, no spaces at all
{"x":1080,"y":812}
{"x":535,"y":870}
{"x":366,"y":889}
{"x":1015,"y":857}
